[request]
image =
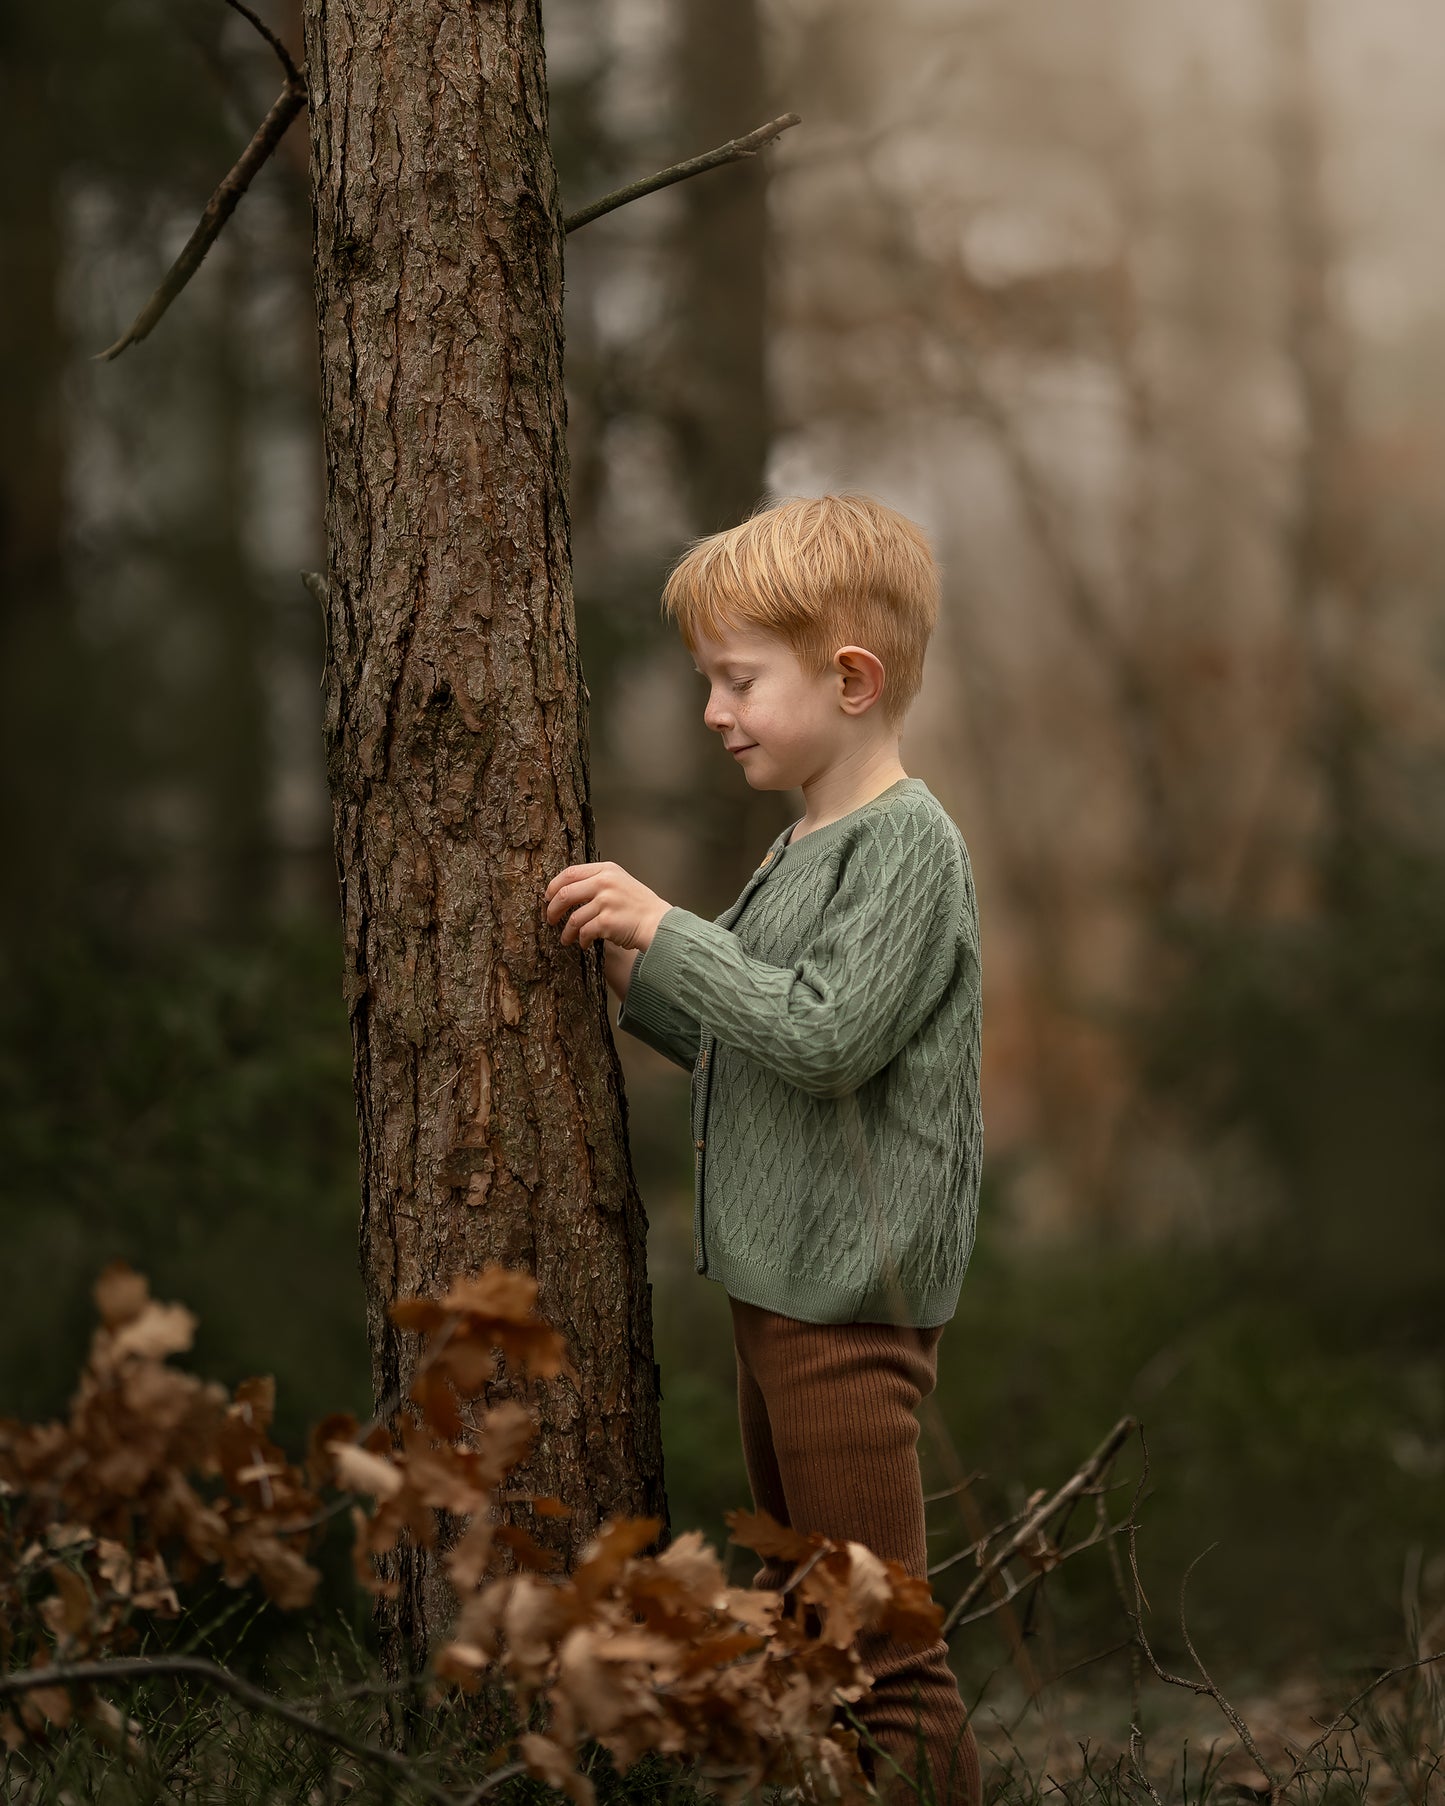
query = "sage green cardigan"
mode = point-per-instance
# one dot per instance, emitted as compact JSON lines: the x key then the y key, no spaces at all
{"x":831,"y":1021}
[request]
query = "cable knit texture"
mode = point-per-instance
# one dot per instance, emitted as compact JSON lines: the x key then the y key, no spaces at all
{"x":831,"y":1020}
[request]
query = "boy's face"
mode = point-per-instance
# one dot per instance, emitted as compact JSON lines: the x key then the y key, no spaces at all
{"x":782,"y":725}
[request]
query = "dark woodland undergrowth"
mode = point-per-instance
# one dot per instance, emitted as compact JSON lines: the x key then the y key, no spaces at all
{"x":194,"y":1116}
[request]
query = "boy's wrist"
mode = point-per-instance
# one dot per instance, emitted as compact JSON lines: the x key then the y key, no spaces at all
{"x":617,"y":965}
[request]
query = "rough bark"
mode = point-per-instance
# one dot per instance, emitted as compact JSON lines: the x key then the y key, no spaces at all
{"x":490,"y":1100}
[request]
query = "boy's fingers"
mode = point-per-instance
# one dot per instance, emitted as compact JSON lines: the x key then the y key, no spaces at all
{"x":578,"y":920}
{"x":562,"y":900}
{"x":572,"y":871}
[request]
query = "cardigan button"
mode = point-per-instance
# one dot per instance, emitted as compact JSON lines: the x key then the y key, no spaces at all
{"x":697,"y":1144}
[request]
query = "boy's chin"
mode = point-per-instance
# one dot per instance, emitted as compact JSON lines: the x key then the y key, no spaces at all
{"x":762,"y":773}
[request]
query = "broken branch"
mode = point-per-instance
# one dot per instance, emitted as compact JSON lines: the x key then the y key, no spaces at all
{"x":135,"y":1668}
{"x":219,"y":209}
{"x":223,"y":202}
{"x":1035,"y":1521}
{"x":731,"y":152}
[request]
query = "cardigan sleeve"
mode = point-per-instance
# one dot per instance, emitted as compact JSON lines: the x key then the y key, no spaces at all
{"x":648,"y":1014}
{"x":888,"y":945}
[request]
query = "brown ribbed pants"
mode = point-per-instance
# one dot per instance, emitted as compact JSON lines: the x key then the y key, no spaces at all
{"x":831,"y":1444}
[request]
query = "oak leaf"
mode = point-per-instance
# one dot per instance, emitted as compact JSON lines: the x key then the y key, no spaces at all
{"x":120,"y":1294}
{"x":761,"y":1532}
{"x":361,"y":1471}
{"x":547,"y":1761}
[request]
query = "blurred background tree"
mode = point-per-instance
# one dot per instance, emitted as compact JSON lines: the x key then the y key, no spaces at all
{"x":1135,"y":307}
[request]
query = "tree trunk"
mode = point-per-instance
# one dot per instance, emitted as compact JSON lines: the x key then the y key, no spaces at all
{"x":489,"y":1095}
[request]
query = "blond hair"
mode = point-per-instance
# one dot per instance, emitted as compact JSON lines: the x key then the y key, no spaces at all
{"x":820,"y":572}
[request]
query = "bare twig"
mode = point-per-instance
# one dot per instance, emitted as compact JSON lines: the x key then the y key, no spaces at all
{"x":223,"y":202}
{"x":293,"y":74}
{"x":1136,"y":1666}
{"x":1067,"y":1493}
{"x":1013,"y":1588}
{"x":129,"y":1668}
{"x":219,"y":209}
{"x":1241,"y":1728}
{"x":1360,"y":1697}
{"x":731,"y":152}
{"x":952,"y":1492}
{"x":1136,"y":1759}
{"x":1204,"y":1685}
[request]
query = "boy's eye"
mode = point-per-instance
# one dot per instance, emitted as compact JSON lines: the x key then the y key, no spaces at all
{"x":746,"y":684}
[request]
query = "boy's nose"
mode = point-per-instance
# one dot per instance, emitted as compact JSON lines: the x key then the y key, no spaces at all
{"x":715,"y":716}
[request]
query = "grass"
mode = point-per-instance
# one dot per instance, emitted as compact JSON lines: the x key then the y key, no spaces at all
{"x":196,"y":1747}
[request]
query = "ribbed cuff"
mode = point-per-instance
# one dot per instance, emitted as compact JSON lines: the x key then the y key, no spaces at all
{"x":646,"y":1010}
{"x":658,"y":964}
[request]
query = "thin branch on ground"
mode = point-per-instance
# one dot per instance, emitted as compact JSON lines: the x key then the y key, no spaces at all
{"x":1013,"y":1588}
{"x":732,"y":152}
{"x":1033,"y":1524}
{"x":1136,"y":1665}
{"x":1364,"y":1693}
{"x":1204,"y":1685}
{"x":134,"y":1668}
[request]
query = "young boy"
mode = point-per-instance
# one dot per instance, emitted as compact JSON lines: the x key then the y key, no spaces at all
{"x":831,"y":1022}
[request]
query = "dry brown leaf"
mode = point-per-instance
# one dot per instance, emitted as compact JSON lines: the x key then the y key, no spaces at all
{"x":41,"y":1703}
{"x":434,"y":1395}
{"x":113,"y":1564}
{"x":73,"y":1601}
{"x":288,"y":1578}
{"x":912,"y":1615}
{"x":528,"y":1551}
{"x":159,"y":1330}
{"x":754,"y":1608}
{"x":605,"y":1679}
{"x":505,"y":1435}
{"x":360,"y":1471}
{"x":339,"y":1426}
{"x":534,"y":1613}
{"x":690,"y":1560}
{"x":462,"y":1663}
{"x":67,"y":1536}
{"x":602,"y":1559}
{"x":120,"y":1294}
{"x":546,"y":1761}
{"x":254,"y":1401}
{"x":759,"y":1531}
{"x":1040,"y":1553}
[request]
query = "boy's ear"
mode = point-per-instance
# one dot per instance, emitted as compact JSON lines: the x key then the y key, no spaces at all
{"x":862,"y":675}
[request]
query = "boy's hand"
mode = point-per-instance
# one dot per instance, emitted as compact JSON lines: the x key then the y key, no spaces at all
{"x":606,"y":904}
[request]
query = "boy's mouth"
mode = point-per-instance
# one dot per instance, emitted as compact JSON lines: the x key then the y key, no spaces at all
{"x":747,"y":747}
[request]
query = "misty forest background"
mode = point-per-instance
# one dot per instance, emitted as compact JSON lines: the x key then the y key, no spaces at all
{"x":1136,"y":306}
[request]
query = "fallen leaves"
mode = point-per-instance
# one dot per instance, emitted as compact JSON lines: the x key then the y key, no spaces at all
{"x":158,"y":1474}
